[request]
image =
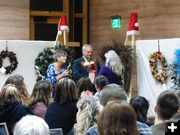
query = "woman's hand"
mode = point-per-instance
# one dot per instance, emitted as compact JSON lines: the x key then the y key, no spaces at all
{"x":65,"y":73}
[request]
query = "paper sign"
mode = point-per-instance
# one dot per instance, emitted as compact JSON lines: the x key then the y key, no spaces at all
{"x":92,"y":76}
{"x":2,"y":70}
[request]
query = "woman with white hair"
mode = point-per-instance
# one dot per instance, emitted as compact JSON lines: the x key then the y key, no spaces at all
{"x":112,"y":68}
{"x":31,"y":125}
{"x":88,"y":109}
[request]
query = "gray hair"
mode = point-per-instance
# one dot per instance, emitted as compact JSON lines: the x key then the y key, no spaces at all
{"x":89,"y":108}
{"x":114,"y":62}
{"x":59,"y":53}
{"x":84,"y":46}
{"x":31,"y":125}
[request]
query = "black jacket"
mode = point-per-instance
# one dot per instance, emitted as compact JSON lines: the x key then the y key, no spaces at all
{"x":12,"y":114}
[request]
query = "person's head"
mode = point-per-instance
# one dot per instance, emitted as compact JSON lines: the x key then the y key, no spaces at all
{"x":9,"y":95}
{"x":41,"y":93}
{"x":141,"y":106}
{"x":88,"y":109}
{"x":31,"y":125}
{"x":167,"y":105}
{"x":60,"y":56}
{"x":84,"y":84}
{"x":112,"y":92}
{"x":117,"y":119}
{"x":113,"y":61}
{"x":100,"y":82}
{"x":87,"y":51}
{"x":65,"y":91}
{"x":18,"y":81}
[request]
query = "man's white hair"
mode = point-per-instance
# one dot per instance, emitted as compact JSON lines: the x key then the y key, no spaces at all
{"x":114,"y":62}
{"x":84,"y":46}
{"x":31,"y":125}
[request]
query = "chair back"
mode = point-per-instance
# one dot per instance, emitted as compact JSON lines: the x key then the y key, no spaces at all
{"x":56,"y":131}
{"x":3,"y":129}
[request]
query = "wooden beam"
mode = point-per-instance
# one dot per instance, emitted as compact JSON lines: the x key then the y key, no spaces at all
{"x":71,"y":44}
{"x":31,"y":30}
{"x":46,"y":13}
{"x":79,"y":15}
{"x":85,"y":21}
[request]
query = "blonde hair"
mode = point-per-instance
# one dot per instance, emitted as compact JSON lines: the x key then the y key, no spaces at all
{"x":9,"y":95}
{"x":114,"y":62}
{"x":89,"y":109}
{"x":18,"y":81}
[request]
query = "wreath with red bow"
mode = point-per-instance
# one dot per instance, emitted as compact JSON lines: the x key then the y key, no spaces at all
{"x":12,"y":59}
{"x":156,"y":58}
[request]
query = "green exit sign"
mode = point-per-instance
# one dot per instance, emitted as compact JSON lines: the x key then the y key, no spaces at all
{"x":116,"y":22}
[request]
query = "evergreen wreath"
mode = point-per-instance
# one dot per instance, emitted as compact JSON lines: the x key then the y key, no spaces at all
{"x":156,"y":58}
{"x":12,"y":59}
{"x":45,"y":58}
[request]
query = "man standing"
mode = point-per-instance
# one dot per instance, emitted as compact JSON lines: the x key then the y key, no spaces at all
{"x":85,"y":66}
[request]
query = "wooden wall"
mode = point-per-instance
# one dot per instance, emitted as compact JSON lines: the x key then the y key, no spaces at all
{"x":14,"y":19}
{"x":158,"y":19}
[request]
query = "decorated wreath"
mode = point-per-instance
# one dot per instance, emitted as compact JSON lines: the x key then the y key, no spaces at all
{"x":12,"y":59}
{"x":45,"y":58}
{"x":160,"y":74}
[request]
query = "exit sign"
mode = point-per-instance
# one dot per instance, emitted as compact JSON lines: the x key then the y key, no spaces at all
{"x":116,"y":22}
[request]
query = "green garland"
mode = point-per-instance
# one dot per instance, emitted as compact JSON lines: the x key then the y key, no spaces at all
{"x":45,"y":58}
{"x":12,"y":59}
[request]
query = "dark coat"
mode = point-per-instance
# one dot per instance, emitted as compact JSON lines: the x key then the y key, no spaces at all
{"x":61,"y":116}
{"x":12,"y":114}
{"x":79,"y":71}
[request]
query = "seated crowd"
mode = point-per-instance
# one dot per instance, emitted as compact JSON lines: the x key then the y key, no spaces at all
{"x":82,"y":109}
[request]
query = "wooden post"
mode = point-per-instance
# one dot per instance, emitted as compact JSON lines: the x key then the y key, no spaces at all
{"x":132,"y":70}
{"x":64,"y":37}
{"x":56,"y":39}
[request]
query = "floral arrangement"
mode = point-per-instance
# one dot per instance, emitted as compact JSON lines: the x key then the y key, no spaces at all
{"x":156,"y":58}
{"x":45,"y":58}
{"x":12,"y":59}
{"x":89,"y":65}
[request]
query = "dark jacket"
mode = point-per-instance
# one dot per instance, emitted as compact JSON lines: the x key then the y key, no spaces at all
{"x":79,"y":71}
{"x":12,"y":114}
{"x":61,"y":116}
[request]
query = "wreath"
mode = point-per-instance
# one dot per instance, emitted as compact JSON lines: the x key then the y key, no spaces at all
{"x":12,"y":59}
{"x":45,"y":58}
{"x":159,"y":75}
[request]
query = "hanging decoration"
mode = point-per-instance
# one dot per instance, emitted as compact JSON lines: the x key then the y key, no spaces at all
{"x":158,"y":66}
{"x":12,"y":59}
{"x":156,"y":58}
{"x":45,"y":58}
